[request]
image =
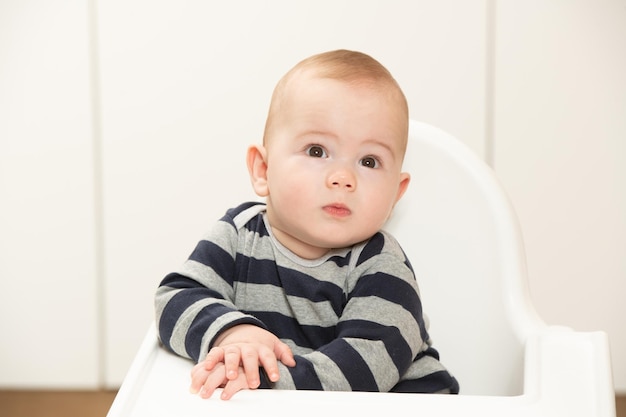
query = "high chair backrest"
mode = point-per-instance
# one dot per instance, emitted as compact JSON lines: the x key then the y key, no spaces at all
{"x":462,"y":237}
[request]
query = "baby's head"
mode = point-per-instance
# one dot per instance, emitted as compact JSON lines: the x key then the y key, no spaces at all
{"x":330,"y":164}
{"x":350,"y":67}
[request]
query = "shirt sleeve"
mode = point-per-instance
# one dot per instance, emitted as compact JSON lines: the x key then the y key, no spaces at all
{"x":195,"y":304}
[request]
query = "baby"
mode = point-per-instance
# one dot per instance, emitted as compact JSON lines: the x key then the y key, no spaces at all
{"x":306,"y":291}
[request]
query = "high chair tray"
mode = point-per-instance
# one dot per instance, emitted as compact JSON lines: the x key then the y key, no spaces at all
{"x":565,"y":375}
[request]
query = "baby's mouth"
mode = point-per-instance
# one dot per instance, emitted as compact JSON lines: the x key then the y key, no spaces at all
{"x":337,"y":210}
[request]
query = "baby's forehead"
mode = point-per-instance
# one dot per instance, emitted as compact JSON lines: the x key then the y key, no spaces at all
{"x":291,"y":87}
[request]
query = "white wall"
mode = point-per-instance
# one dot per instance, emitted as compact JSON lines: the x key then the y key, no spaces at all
{"x":183,"y":88}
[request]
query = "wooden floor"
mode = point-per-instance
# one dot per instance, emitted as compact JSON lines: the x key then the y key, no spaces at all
{"x":55,"y":403}
{"x":92,"y":403}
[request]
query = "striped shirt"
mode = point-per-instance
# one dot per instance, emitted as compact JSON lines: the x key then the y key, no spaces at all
{"x":352,"y":318}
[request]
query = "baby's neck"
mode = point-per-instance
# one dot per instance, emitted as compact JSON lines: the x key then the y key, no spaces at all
{"x":298,"y":247}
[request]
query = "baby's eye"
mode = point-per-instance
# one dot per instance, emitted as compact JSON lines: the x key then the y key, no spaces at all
{"x":316,"y":151}
{"x":369,"y":162}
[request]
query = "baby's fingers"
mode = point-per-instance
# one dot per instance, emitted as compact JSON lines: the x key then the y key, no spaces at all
{"x":232,"y":361}
{"x":234,"y":386}
{"x":250,"y":362}
{"x":199,"y":376}
{"x":206,"y":382}
{"x":284,"y":354}
{"x":215,"y":356}
{"x":268,"y":361}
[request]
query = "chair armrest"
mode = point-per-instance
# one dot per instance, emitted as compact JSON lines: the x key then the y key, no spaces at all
{"x":135,"y":378}
{"x":570,"y":372}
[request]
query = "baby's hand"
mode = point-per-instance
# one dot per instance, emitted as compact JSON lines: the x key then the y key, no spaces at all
{"x":246,"y":347}
{"x":206,"y":382}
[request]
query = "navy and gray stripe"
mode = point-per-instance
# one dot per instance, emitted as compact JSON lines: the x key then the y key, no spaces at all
{"x":353,"y":319}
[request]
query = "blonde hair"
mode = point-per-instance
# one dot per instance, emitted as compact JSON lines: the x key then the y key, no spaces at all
{"x":342,"y":65}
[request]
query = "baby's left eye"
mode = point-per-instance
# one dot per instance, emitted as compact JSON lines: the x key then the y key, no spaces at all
{"x":316,"y":151}
{"x":369,"y":162}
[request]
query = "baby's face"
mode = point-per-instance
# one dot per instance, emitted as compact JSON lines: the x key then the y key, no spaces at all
{"x":334,"y":164}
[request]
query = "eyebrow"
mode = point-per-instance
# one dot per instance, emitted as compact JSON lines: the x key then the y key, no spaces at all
{"x":381,"y":143}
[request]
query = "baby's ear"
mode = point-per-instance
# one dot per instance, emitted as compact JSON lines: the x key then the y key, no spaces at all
{"x":405,"y":179}
{"x":257,"y":168}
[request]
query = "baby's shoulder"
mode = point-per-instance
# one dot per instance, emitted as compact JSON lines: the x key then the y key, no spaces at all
{"x":382,"y":243}
{"x":244,"y":213}
{"x":244,"y":219}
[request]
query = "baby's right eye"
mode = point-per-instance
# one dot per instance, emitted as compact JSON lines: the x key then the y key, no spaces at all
{"x":316,"y":151}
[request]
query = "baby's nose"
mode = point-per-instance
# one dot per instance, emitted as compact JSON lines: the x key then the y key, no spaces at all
{"x":342,"y":179}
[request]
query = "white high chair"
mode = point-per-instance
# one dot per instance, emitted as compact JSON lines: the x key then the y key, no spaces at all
{"x":463,"y":240}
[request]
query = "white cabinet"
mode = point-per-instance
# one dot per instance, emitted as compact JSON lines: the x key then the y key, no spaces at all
{"x":48,"y":278}
{"x":560,"y":150}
